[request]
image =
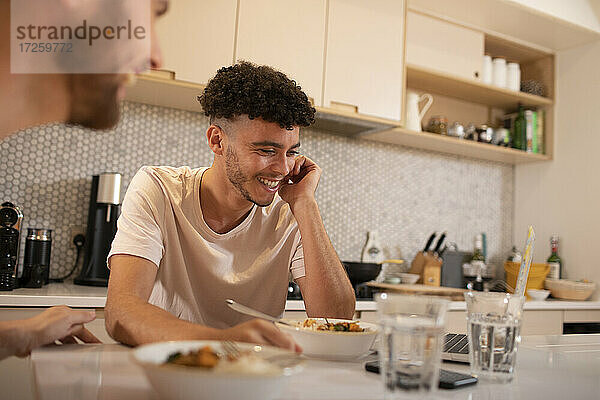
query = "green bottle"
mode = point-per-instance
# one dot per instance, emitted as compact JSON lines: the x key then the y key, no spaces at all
{"x":554,"y":260}
{"x":520,"y":131}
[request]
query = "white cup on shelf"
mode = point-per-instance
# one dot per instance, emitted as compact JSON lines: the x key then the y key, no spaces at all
{"x":499,"y":72}
{"x":513,"y":76}
{"x":486,"y":70}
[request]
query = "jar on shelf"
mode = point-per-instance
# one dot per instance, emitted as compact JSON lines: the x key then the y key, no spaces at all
{"x":438,"y":124}
{"x":457,"y":130}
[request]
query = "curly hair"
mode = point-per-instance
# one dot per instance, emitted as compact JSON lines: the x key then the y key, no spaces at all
{"x":258,"y":91}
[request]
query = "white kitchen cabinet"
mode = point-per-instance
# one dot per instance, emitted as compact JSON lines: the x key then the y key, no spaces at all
{"x":288,"y":35}
{"x":535,"y":322}
{"x":435,"y":44}
{"x":197,"y":37}
{"x":364,"y":57}
{"x":294,"y":315}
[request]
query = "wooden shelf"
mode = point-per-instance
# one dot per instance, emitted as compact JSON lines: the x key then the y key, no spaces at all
{"x":155,"y":89}
{"x":451,"y":145}
{"x":159,"y":91}
{"x":469,"y":89}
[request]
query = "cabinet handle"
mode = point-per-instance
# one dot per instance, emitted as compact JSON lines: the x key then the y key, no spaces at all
{"x":343,"y":106}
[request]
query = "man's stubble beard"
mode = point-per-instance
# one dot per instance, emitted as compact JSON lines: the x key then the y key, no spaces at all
{"x":94,"y":101}
{"x":237,"y":177}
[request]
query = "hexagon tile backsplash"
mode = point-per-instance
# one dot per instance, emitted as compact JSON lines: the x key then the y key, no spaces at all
{"x":403,"y":193}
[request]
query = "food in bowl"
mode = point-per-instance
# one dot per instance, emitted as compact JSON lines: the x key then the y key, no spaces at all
{"x":226,"y":380}
{"x":330,"y":343}
{"x":313,"y":324}
{"x":245,"y":363}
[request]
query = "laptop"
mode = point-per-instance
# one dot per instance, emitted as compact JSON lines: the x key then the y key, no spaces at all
{"x":456,"y":345}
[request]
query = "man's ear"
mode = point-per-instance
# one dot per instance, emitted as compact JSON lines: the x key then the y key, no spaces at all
{"x":215,"y":136}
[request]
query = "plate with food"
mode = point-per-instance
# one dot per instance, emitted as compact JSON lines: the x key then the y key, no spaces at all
{"x":333,"y":339}
{"x":216,"y":370}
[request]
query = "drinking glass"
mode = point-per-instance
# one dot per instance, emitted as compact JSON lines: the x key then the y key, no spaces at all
{"x":494,"y":332}
{"x":410,"y":344}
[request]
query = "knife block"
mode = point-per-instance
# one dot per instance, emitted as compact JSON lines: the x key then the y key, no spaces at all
{"x":428,"y":267}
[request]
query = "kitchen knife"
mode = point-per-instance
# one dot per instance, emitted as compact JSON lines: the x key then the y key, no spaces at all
{"x":429,"y":241}
{"x":438,"y":245}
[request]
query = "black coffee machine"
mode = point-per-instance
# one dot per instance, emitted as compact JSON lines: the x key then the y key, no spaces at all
{"x":105,"y":207}
{"x":11,"y":218}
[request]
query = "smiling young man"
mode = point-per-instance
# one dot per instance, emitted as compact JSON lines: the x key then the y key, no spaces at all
{"x":188,"y":239}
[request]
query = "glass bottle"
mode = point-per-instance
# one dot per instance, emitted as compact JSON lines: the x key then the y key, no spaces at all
{"x":520,"y":131}
{"x":478,"y":263}
{"x":554,"y":260}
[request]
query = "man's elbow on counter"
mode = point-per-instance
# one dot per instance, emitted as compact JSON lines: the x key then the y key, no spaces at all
{"x":112,"y":321}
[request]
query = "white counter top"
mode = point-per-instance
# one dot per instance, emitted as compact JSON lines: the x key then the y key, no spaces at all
{"x":95,"y":297}
{"x":548,"y":367}
{"x":72,"y":295}
{"x":55,"y":294}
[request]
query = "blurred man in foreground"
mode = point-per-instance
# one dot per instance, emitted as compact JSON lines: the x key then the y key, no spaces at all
{"x":89,"y":100}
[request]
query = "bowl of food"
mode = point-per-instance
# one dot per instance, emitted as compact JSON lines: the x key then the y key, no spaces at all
{"x":538,"y":294}
{"x":570,"y":290}
{"x":334,"y":339}
{"x":208,"y":370}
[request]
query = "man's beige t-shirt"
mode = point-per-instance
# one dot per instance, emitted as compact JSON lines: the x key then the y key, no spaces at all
{"x":161,"y":220}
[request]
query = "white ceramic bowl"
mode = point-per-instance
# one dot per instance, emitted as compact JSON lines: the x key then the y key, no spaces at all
{"x":537,"y":294}
{"x":332,"y":345}
{"x":409,"y":278}
{"x":180,"y":382}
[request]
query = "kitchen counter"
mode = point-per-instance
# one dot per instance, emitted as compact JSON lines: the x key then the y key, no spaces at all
{"x":95,"y":297}
{"x":548,"y":367}
{"x":55,"y":294}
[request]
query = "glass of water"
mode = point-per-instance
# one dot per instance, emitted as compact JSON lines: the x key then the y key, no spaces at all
{"x":410,"y":343}
{"x":494,"y":332}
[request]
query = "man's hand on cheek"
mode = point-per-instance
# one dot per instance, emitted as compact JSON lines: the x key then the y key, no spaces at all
{"x":303,"y":181}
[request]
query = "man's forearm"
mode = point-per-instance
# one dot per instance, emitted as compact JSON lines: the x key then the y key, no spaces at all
{"x":327,"y":292}
{"x":132,"y":321}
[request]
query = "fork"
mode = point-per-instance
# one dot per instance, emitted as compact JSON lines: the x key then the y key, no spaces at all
{"x":283,"y":361}
{"x":231,"y":349}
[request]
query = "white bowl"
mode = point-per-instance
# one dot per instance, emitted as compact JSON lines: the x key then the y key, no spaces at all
{"x":180,"y":382}
{"x":332,"y":345}
{"x":409,"y":278}
{"x":537,"y":294}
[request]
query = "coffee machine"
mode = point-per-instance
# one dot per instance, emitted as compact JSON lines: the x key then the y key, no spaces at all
{"x":11,"y":218}
{"x":105,"y":206}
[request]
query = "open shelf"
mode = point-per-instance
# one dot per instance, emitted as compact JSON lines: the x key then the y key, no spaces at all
{"x":451,"y":145}
{"x":469,"y":89}
{"x":165,"y":92}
